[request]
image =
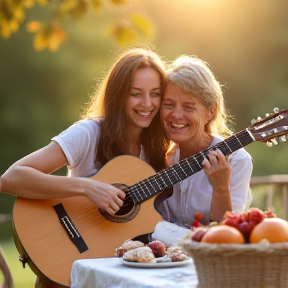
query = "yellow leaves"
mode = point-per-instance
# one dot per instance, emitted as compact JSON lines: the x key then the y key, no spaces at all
{"x":145,"y":26}
{"x":66,"y":6}
{"x":50,"y":36}
{"x":96,"y":6}
{"x":5,"y":29}
{"x":43,"y":2}
{"x":129,"y":31}
{"x":8,"y":27}
{"x":127,"y":27}
{"x":33,"y":26}
{"x":11,"y":15}
{"x":79,"y":10}
{"x":13,"y":25}
{"x":40,"y":41}
{"x":19,"y":14}
{"x":118,"y":2}
{"x":28,"y":3}
{"x":124,"y":35}
{"x":75,"y":8}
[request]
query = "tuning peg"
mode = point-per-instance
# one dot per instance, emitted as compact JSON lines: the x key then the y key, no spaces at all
{"x":274,"y":141}
{"x":269,"y":143}
{"x":276,"y":110}
{"x":267,"y":114}
{"x":283,"y":138}
{"x":259,"y":118}
{"x":253,"y":121}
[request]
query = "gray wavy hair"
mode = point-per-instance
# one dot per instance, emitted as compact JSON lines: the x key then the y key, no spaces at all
{"x":195,"y":77}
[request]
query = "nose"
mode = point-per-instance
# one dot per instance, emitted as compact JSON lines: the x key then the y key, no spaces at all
{"x":146,"y":100}
{"x":176,"y":113}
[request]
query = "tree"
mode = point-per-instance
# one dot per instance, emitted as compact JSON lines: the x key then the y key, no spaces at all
{"x":126,"y":27}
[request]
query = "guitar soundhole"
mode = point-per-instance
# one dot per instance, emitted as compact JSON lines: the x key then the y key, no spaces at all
{"x":128,"y":210}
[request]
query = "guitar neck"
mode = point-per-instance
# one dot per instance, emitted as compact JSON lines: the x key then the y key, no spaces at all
{"x":168,"y":177}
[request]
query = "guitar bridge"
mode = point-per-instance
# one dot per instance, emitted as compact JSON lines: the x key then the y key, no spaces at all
{"x":70,"y":228}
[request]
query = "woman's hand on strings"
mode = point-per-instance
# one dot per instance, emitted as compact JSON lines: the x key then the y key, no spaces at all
{"x":106,"y":197}
{"x":217,"y":169}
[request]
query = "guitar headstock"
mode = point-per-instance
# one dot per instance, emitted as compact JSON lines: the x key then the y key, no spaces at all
{"x":272,"y":126}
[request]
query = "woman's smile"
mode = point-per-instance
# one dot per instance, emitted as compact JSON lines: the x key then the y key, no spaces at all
{"x":143,"y":113}
{"x":177,"y":126}
{"x":144,"y":99}
{"x":183,"y":115}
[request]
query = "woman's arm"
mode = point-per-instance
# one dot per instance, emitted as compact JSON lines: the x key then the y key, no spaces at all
{"x":241,"y":170}
{"x":31,"y":178}
{"x":218,"y":172}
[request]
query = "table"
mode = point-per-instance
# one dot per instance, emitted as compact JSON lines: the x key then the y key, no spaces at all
{"x":110,"y":273}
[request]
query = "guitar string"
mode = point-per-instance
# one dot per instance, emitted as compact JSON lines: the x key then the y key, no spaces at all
{"x":179,"y":170}
{"x":183,"y":165}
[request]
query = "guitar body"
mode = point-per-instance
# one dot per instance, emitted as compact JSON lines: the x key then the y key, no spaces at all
{"x":39,"y":235}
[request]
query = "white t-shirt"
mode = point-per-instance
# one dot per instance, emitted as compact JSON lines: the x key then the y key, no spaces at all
{"x":79,"y":143}
{"x":194,"y":194}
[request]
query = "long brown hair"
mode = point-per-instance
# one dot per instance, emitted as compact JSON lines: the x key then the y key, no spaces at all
{"x":109,"y":103}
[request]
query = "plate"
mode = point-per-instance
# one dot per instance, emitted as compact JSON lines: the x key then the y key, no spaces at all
{"x":156,"y":265}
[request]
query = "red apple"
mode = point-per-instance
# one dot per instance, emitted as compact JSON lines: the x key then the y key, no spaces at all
{"x":158,"y":248}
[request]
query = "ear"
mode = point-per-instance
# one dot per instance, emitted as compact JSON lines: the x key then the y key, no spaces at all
{"x":211,"y":113}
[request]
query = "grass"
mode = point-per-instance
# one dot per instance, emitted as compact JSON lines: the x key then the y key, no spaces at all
{"x":23,"y":278}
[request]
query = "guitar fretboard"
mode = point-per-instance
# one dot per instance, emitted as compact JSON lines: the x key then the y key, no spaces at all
{"x":166,"y":178}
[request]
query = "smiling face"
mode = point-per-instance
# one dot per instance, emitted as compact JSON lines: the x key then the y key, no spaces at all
{"x":144,"y":99}
{"x":183,"y":115}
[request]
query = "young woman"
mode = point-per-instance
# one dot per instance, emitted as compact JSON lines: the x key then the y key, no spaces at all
{"x":194,"y":118}
{"x":122,"y":118}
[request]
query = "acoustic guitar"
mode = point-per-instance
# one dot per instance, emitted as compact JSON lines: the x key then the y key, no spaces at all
{"x":51,"y":234}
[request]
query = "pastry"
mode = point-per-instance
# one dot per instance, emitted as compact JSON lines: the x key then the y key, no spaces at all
{"x":141,"y":254}
{"x":128,"y":245}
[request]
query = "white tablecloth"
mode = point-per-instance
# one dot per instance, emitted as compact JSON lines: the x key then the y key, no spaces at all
{"x":110,"y":273}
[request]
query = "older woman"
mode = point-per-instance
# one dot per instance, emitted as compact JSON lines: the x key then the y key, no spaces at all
{"x":194,"y":118}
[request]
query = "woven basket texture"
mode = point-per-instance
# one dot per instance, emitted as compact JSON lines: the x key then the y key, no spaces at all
{"x":243,"y":266}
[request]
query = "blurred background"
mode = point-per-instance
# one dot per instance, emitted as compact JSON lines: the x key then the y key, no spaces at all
{"x":43,"y":92}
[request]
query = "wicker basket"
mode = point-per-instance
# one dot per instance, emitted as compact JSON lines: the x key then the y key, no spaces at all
{"x":247,"y":265}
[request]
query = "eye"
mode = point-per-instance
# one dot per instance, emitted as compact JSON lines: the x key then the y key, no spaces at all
{"x":135,"y":94}
{"x":155,"y":94}
{"x":189,"y":107}
{"x":167,"y":104}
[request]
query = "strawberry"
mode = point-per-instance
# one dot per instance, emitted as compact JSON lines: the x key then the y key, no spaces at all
{"x":255,"y":215}
{"x":197,"y":217}
{"x":269,"y":214}
{"x":232,"y":220}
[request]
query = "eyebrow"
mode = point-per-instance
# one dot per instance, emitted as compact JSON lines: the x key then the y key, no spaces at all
{"x":158,"y":88}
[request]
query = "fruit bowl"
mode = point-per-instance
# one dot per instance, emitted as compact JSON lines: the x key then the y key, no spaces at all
{"x":239,"y":265}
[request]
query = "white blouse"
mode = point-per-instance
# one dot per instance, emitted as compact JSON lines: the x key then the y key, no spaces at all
{"x":194,"y":194}
{"x":79,"y":143}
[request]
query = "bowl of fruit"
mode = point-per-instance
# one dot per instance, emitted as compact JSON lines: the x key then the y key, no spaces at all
{"x":249,"y":249}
